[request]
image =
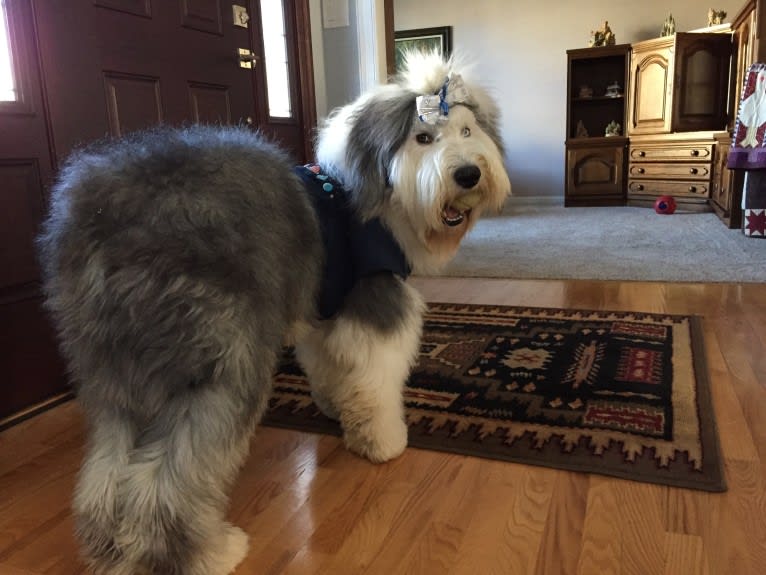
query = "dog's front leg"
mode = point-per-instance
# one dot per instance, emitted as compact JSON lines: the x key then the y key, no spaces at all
{"x":358,"y":364}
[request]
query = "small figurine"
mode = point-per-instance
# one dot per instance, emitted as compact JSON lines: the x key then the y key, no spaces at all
{"x":613,"y":90}
{"x":612,"y":129}
{"x":582,"y":131}
{"x":602,"y":37}
{"x":715,"y":16}
{"x":586,"y":91}
{"x":669,"y":27}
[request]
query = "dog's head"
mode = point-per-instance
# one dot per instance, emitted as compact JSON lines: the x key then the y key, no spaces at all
{"x":423,"y":153}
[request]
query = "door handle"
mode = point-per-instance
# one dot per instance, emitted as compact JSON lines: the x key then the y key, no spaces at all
{"x":246,"y":58}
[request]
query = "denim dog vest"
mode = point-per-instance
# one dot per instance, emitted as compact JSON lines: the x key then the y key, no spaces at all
{"x":353,"y":248}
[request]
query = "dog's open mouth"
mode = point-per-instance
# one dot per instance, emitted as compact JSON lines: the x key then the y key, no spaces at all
{"x":458,"y":209}
{"x":451,"y":216}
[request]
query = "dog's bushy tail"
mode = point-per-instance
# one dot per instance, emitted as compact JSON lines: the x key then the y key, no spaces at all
{"x":152,"y":499}
{"x":174,"y":261}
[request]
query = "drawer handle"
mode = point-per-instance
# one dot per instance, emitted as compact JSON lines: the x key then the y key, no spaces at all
{"x":640,"y":187}
{"x":692,"y":170}
{"x":692,"y":189}
{"x":641,"y":153}
{"x":695,"y":153}
{"x":640,"y":170}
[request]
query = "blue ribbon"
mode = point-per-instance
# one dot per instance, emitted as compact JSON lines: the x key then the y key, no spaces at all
{"x":434,"y":108}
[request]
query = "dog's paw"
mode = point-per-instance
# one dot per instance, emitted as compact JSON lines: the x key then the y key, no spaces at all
{"x":237,"y":544}
{"x":226,"y":552}
{"x":378,"y":441}
{"x":325,"y":405}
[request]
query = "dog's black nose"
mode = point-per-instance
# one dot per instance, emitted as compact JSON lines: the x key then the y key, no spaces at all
{"x":467,"y":176}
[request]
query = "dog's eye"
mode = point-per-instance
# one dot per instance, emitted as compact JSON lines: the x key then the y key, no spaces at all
{"x":466,"y":132}
{"x":424,"y":138}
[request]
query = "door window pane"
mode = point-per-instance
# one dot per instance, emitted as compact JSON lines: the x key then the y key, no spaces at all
{"x":7,"y":84}
{"x":275,"y":53}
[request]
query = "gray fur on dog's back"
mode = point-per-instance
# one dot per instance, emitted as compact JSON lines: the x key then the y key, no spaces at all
{"x":174,"y":263}
{"x":166,"y":231}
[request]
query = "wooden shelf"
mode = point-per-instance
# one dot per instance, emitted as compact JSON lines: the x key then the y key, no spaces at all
{"x":599,"y":99}
{"x":595,"y":165}
{"x":597,"y":141}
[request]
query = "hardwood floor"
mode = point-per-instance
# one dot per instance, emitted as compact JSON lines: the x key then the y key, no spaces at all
{"x":312,"y":507}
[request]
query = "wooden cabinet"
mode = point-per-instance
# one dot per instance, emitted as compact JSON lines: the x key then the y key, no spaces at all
{"x":595,"y":163}
{"x":679,"y":165}
{"x":745,"y":43}
{"x":595,"y":172}
{"x":678,"y":99}
{"x":681,"y":97}
{"x":679,"y":83}
{"x":727,"y":185}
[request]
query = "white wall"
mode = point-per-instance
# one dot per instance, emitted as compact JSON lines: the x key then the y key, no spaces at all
{"x":348,"y":59}
{"x":341,"y":62}
{"x":520,"y":49}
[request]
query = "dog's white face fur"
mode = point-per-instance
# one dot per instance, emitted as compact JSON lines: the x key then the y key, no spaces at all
{"x":403,"y":170}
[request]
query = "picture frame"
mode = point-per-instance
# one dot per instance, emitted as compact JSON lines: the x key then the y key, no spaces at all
{"x":438,"y":38}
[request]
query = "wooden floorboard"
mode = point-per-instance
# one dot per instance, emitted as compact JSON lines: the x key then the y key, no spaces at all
{"x":312,"y":507}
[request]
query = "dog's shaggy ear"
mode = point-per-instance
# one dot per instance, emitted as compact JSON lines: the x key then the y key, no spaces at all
{"x":358,"y":143}
{"x":379,"y":128}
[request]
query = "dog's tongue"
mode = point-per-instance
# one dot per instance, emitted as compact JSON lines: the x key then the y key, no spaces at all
{"x":451,"y":213}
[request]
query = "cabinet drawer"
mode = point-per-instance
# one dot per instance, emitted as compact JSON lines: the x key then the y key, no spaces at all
{"x":690,"y":189}
{"x":670,"y":171}
{"x":687,"y":151}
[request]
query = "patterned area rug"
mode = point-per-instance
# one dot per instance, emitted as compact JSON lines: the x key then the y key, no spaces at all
{"x":622,"y":394}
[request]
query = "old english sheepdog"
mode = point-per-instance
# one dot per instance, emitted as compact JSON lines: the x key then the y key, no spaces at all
{"x":177,"y":262}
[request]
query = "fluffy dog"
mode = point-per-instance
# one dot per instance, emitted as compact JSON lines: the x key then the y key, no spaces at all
{"x":177,"y":261}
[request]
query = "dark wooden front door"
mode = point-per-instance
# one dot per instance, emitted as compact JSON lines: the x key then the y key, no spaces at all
{"x":113,"y":66}
{"x":30,"y":370}
{"x":89,"y":69}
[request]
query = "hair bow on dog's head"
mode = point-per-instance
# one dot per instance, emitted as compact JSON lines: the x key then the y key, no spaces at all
{"x":435,"y":108}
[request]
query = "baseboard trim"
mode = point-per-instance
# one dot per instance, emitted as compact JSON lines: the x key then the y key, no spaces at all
{"x":36,"y":409}
{"x":534,"y":201}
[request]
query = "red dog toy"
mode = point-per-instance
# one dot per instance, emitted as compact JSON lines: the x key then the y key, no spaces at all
{"x":665,"y":205}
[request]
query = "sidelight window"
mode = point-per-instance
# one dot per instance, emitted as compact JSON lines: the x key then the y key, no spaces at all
{"x":8,"y":91}
{"x":275,"y":54}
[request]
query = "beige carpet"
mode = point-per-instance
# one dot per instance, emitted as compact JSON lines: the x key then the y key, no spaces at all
{"x":612,"y":243}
